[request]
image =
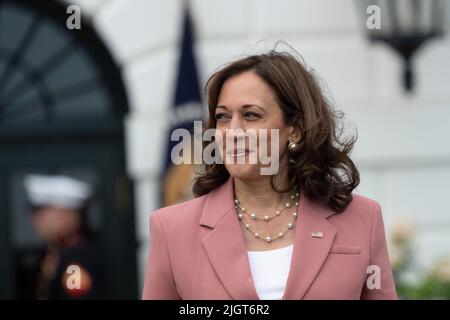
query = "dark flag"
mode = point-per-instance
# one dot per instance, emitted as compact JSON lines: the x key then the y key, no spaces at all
{"x":186,"y":106}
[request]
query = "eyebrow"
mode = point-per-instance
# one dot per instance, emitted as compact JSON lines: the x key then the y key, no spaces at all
{"x":245,"y":106}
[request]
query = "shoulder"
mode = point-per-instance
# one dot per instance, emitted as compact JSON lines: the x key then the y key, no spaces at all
{"x":360,"y":211}
{"x":183,"y":213}
{"x":363,"y":203}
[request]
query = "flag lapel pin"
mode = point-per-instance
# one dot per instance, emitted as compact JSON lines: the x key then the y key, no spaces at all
{"x":317,"y":234}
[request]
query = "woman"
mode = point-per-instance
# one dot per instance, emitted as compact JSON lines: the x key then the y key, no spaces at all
{"x":297,"y":234}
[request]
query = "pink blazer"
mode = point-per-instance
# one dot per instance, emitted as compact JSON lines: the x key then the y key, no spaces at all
{"x":197,"y":251}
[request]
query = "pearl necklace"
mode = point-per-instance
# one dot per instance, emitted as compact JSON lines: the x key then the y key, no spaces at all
{"x":242,"y":212}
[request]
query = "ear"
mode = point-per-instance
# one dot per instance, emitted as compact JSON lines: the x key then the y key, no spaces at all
{"x":294,"y":134}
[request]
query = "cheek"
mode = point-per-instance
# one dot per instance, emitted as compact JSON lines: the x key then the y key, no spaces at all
{"x":219,"y":134}
{"x":275,"y":139}
{"x":53,"y":222}
{"x":46,"y":224}
{"x":38,"y":222}
{"x":283,"y":137}
{"x":219,"y":139}
{"x":67,"y":223}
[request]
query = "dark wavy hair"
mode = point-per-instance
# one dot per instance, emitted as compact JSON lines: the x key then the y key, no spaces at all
{"x":323,"y":168}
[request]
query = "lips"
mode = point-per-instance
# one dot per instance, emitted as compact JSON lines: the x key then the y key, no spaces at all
{"x":237,"y":152}
{"x":240,"y":153}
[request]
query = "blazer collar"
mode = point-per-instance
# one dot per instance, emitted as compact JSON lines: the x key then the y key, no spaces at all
{"x":226,"y":249}
{"x":218,"y":202}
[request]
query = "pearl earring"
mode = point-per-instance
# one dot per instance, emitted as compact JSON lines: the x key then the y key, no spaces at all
{"x":292,"y":146}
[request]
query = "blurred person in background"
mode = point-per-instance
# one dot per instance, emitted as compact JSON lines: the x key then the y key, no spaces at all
{"x":70,"y":267}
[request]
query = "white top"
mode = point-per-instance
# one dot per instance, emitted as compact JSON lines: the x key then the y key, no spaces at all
{"x":270,"y":271}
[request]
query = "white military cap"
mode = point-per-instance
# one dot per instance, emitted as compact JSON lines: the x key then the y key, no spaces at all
{"x":57,"y":190}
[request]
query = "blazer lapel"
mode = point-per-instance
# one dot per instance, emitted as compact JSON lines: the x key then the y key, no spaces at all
{"x":309,"y":252}
{"x":225,"y":244}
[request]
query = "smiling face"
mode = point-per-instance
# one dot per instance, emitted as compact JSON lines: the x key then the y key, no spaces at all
{"x":246,"y":102}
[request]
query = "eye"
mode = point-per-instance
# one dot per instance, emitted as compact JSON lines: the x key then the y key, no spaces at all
{"x":220,"y":116}
{"x":252,"y":115}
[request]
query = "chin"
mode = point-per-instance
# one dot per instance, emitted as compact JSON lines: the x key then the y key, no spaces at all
{"x":243,"y":171}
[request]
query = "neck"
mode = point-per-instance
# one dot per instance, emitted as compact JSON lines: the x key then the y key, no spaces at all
{"x":259,"y":192}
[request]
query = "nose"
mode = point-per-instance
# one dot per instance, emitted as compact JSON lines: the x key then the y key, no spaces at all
{"x":235,"y":131}
{"x":235,"y":122}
